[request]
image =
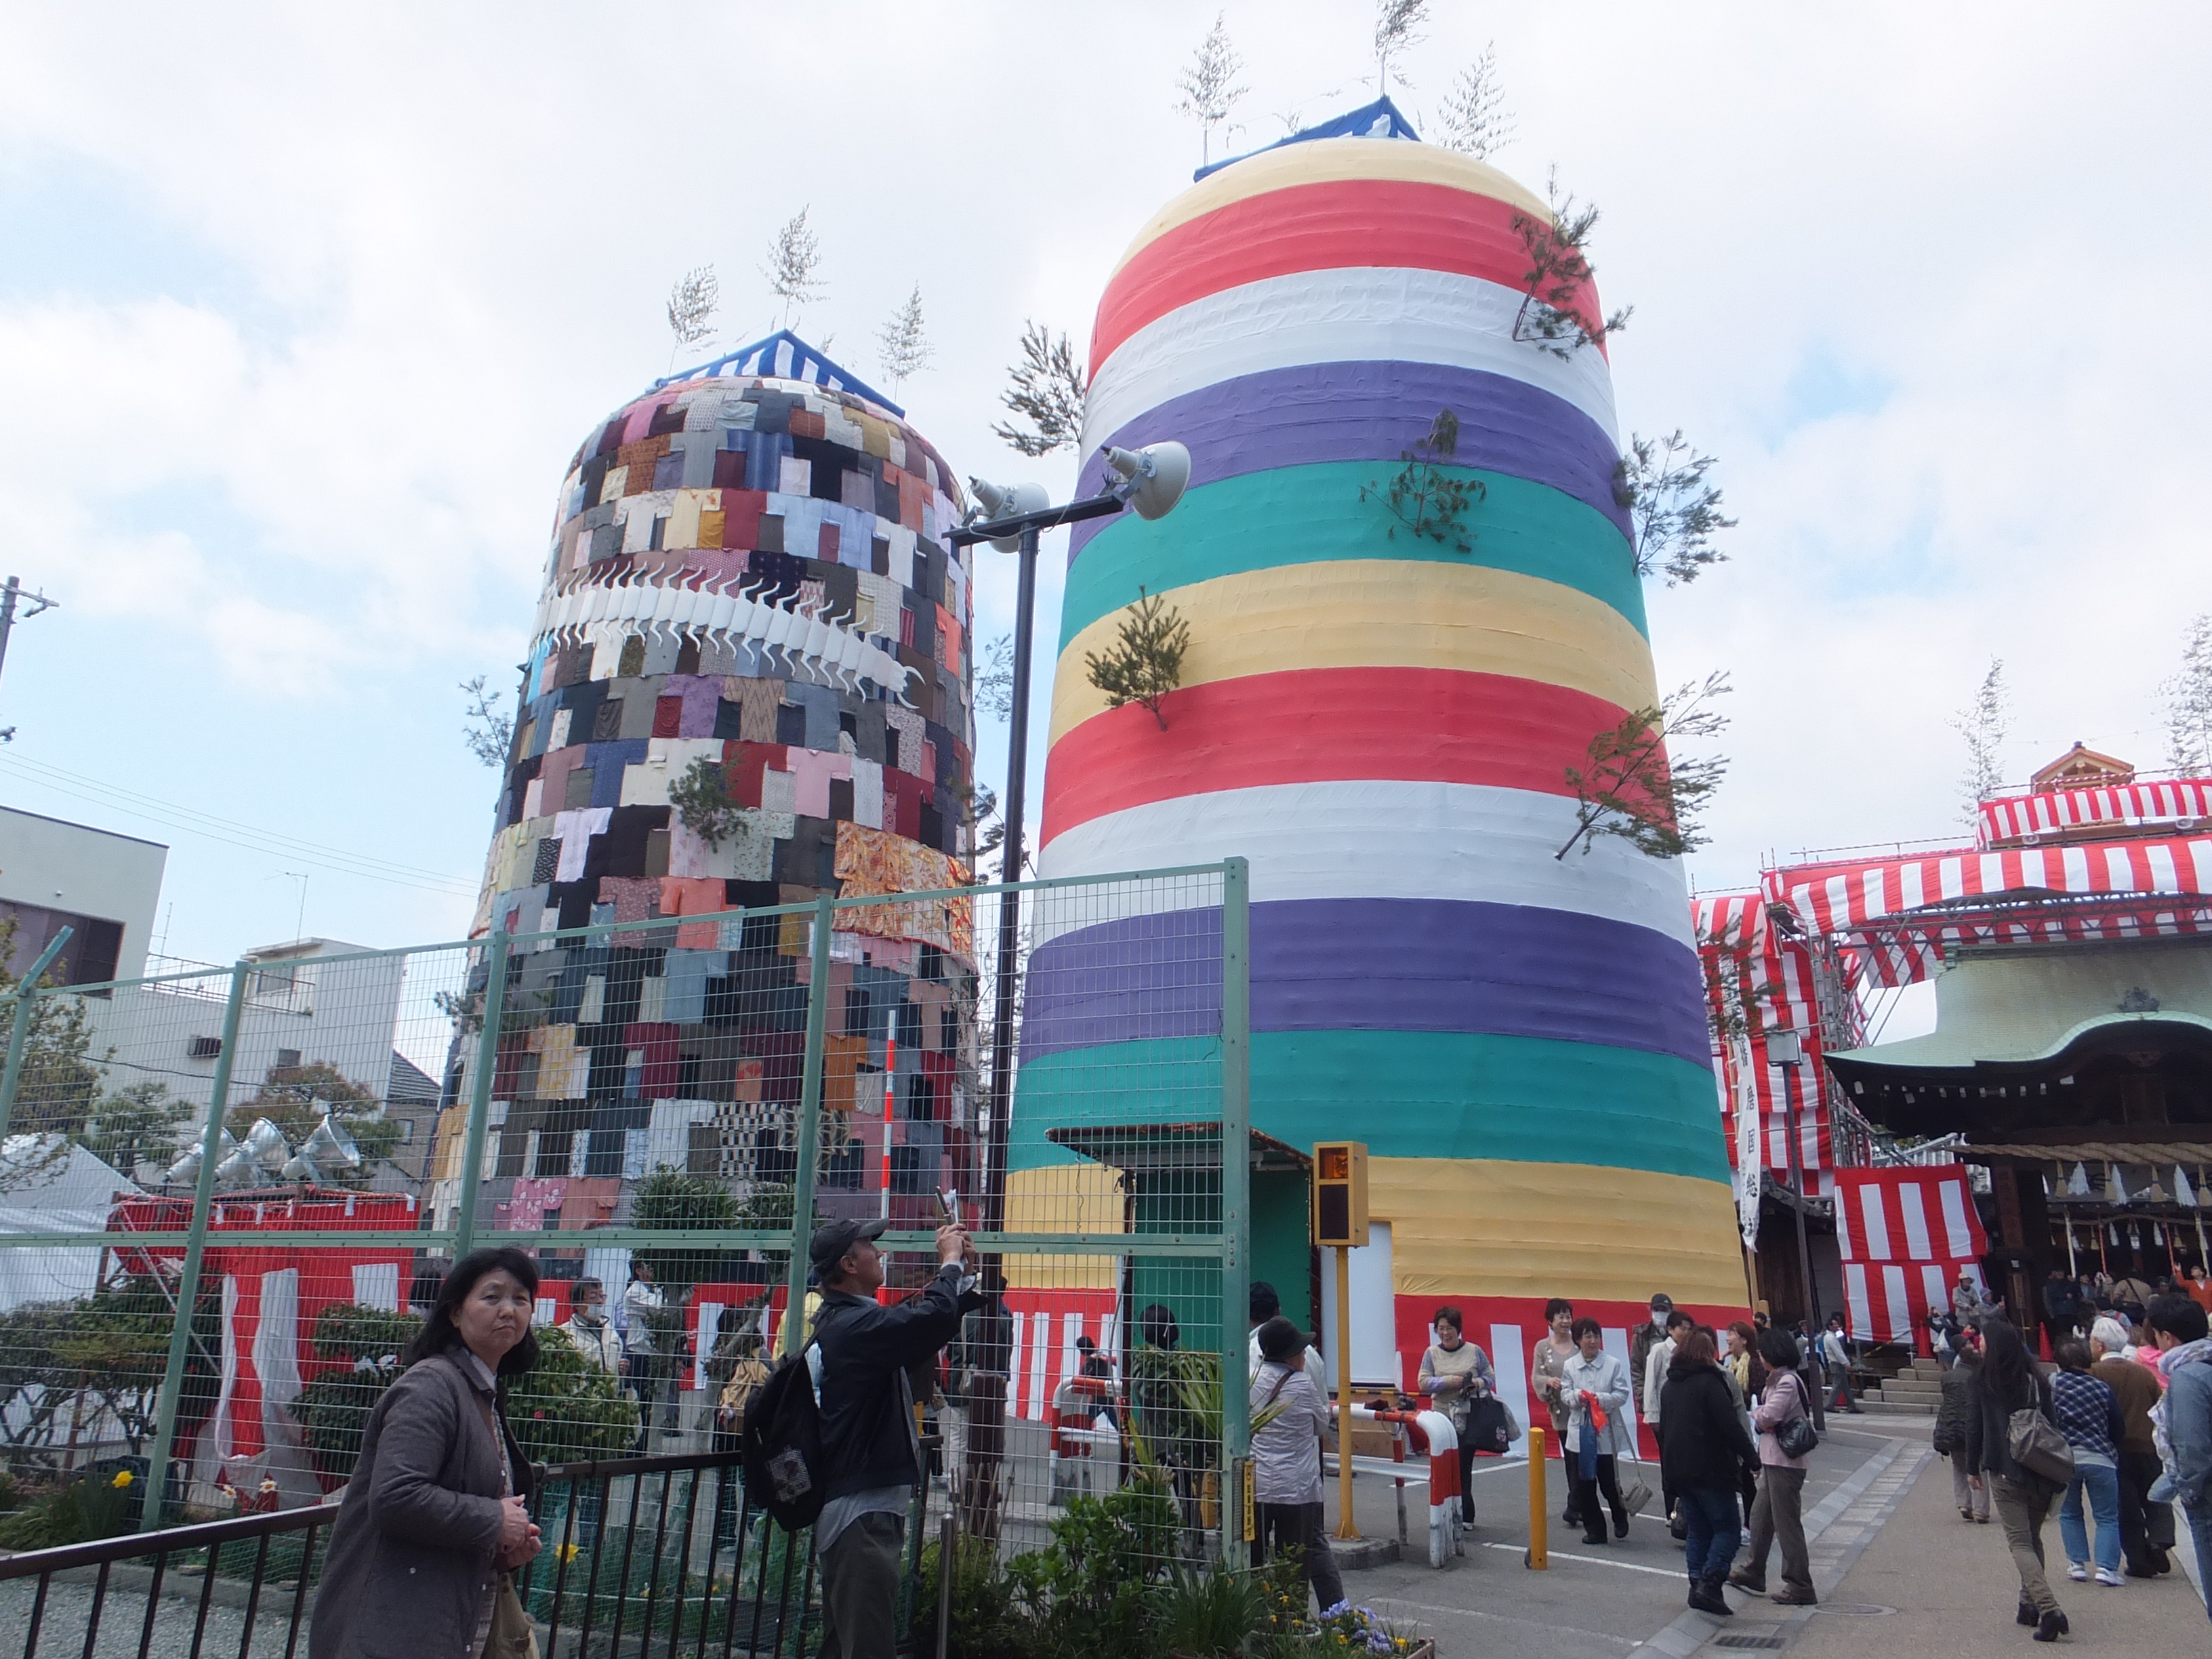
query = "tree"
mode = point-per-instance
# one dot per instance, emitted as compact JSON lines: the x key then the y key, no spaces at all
{"x":1629,"y":785}
{"x":1558,"y":264}
{"x":670,"y":1200}
{"x":1048,"y":390}
{"x":903,"y":347}
{"x":490,"y":730}
{"x":701,"y":796}
{"x":1474,"y":120}
{"x":794,"y":255}
{"x":2188,"y":698}
{"x":691,"y":307}
{"x":994,"y":679}
{"x":1144,"y":662}
{"x":137,"y":1124}
{"x":59,"y":1080}
{"x":1398,"y":30}
{"x":288,"y":1097}
{"x":1208,"y":85}
{"x":1982,"y":723}
{"x":1425,"y":496}
{"x":1674,"y":513}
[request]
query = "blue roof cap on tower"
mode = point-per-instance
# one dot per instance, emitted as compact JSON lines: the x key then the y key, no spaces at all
{"x":1380,"y":119}
{"x":787,"y":357}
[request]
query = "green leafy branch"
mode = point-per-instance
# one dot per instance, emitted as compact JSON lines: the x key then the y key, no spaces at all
{"x":1425,"y":496}
{"x":701,"y":800}
{"x":1675,"y":513}
{"x":1557,"y":247}
{"x":1628,"y":785}
{"x":1145,"y":663}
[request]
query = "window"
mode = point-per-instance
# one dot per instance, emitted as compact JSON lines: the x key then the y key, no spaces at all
{"x":288,"y":1059}
{"x":205,"y":1047}
{"x":406,"y":1130}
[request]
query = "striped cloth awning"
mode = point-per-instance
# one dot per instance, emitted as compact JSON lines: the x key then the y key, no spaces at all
{"x":2182,"y":802}
{"x":1904,"y":1234}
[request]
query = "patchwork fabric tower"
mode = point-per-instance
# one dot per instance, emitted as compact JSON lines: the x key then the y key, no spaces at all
{"x":748,"y":567}
{"x":1381,"y":722}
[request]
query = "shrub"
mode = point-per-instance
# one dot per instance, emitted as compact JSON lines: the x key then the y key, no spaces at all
{"x":92,"y":1506}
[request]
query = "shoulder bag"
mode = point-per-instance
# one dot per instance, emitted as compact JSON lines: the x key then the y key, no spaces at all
{"x":1797,"y":1438}
{"x":2036,"y":1444}
{"x":512,"y":1636}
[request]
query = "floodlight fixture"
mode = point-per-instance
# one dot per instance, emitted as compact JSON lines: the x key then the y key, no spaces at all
{"x":1153,"y":478}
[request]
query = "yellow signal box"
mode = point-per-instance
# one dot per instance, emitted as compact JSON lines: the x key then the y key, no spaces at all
{"x":1339,"y":1194}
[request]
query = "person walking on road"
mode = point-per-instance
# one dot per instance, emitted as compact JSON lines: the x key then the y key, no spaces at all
{"x":1956,"y":1436}
{"x":2021,"y":1498}
{"x":1456,"y":1373}
{"x":1548,"y":1369}
{"x":1704,"y":1456}
{"x":589,"y":1327}
{"x":1679,"y":1323}
{"x":2146,"y":1527}
{"x":2182,"y":1422}
{"x":2089,"y":1416}
{"x":649,"y":1370}
{"x":1836,"y":1359}
{"x":1286,"y":1458}
{"x":1778,"y":1513}
{"x":1646,"y":1337}
{"x":1597,"y":1391}
{"x":873,"y":1458}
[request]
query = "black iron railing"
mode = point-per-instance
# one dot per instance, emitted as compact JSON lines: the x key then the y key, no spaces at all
{"x":647,"y":1558}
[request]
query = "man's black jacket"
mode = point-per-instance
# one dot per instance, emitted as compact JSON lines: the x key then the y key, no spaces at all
{"x":1702,"y":1441}
{"x":867,"y":1429}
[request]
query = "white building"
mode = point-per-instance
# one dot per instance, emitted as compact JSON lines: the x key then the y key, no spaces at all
{"x":103,"y":886}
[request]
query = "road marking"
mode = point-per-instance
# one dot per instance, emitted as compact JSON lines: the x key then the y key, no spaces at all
{"x":1593,"y":1560}
{"x":1389,"y":1601}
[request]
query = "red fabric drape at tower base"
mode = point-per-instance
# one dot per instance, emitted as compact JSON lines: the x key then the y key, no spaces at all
{"x":270,"y":1299}
{"x":1904,"y":1234}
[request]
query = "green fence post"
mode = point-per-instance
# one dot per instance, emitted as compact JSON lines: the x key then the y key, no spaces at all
{"x":188,"y":1284}
{"x":27,"y":991}
{"x":1236,"y":1195}
{"x":810,"y":1125}
{"x":495,"y":1009}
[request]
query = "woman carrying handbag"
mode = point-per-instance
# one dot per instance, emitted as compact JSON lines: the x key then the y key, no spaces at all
{"x":1786,"y":1439}
{"x":2013,"y":1426}
{"x":1457,"y":1375}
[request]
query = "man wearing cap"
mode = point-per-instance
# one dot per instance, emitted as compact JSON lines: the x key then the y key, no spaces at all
{"x":866,"y":1414}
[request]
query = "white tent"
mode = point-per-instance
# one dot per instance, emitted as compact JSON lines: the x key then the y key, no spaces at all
{"x":47,"y":1189}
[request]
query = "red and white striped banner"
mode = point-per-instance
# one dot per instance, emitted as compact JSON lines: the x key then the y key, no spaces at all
{"x":1904,"y":1234}
{"x":1830,"y":898}
{"x":2181,"y":802}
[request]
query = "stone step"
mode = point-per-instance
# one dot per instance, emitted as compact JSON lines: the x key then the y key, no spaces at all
{"x":1873,"y":1406}
{"x":1906,"y":1387}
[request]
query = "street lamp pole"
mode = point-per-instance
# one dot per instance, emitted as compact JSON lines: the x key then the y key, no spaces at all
{"x":11,"y":595}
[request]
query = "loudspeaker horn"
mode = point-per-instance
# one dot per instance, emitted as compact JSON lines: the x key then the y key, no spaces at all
{"x":1154,"y":478}
{"x":1007,"y":500}
{"x":267,"y":1143}
{"x":330,"y":1147}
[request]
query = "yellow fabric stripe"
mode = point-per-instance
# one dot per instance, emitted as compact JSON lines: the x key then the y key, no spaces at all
{"x":1064,"y":1198}
{"x":1329,"y":160}
{"x":1371,"y":613}
{"x":1470,"y":1227}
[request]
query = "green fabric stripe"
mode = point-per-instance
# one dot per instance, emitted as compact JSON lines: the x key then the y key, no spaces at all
{"x":1407,"y":1094}
{"x":1305,"y":514}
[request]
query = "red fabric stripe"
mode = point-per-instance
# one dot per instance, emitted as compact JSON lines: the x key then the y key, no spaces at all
{"x":1317,"y":725}
{"x":1321,"y":227}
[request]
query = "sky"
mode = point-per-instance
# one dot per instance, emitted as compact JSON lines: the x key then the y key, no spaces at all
{"x":304,"y":310}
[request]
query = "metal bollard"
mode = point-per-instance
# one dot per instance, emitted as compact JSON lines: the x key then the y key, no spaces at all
{"x":947,"y":1546}
{"x":1539,"y":1505}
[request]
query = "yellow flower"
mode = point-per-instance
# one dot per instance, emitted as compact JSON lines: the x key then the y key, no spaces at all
{"x":122,"y":1480}
{"x":570,"y":1552}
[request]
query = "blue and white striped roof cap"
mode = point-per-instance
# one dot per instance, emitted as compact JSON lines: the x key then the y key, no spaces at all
{"x":784,"y":356}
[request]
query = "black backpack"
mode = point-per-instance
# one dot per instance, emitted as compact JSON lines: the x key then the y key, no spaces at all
{"x":785,"y":1469}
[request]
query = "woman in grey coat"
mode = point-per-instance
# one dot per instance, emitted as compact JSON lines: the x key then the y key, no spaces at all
{"x":437,"y":1512}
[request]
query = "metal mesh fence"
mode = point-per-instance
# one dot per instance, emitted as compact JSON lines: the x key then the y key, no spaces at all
{"x":229,"y":1197}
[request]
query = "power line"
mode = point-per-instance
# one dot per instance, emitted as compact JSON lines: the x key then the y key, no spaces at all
{"x":207,"y":825}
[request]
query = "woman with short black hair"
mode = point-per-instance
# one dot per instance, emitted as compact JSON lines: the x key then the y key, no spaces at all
{"x":1704,"y":1455}
{"x":437,"y":1513}
{"x":2021,"y":1498}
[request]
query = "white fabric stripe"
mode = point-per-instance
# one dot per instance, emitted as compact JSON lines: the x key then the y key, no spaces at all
{"x":1510,"y":1360}
{"x":1357,"y":314}
{"x":1913,"y":1212}
{"x":1014,"y":1370}
{"x":1959,"y":1238}
{"x":1877,"y":1239}
{"x":1844,"y":1247}
{"x":1935,"y":1289}
{"x":1900,"y":1306}
{"x":1372,"y":839}
{"x":1854,"y":1299}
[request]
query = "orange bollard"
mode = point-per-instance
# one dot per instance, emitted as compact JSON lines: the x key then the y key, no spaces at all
{"x":1539,"y":1505}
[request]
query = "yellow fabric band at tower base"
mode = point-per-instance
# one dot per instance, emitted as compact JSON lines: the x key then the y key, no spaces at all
{"x":1474,"y":1227}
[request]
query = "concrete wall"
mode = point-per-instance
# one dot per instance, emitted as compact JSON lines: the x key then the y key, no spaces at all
{"x":53,"y":865}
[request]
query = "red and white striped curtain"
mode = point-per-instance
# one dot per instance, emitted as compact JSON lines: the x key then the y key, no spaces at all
{"x":1905,"y":1234}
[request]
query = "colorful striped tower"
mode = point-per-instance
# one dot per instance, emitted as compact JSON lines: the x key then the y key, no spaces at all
{"x":1381,"y":724}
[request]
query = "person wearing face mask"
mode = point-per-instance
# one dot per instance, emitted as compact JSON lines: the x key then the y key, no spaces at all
{"x":589,"y":1328}
{"x":437,"y":1514}
{"x":1641,"y":1341}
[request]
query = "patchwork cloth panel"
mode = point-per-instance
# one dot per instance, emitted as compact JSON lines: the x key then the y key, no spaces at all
{"x":749,"y":591}
{"x":1382,"y":719}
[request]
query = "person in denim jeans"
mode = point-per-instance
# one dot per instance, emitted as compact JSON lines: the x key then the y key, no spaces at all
{"x":2089,"y":1416}
{"x":2183,"y":1421}
{"x":1705,"y":1456}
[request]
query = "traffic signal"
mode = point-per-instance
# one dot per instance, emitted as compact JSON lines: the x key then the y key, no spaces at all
{"x":1340,"y":1193}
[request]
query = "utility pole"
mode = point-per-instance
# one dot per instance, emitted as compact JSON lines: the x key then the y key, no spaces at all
{"x":11,"y":594}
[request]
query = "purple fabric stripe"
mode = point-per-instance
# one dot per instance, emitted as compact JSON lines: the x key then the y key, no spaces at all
{"x":1361,"y":411}
{"x":1375,"y":964}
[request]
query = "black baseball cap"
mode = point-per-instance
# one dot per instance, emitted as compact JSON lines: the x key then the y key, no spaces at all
{"x":833,"y":1239}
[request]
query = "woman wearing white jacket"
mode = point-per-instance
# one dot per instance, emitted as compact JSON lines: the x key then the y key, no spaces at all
{"x":1595,"y":1387}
